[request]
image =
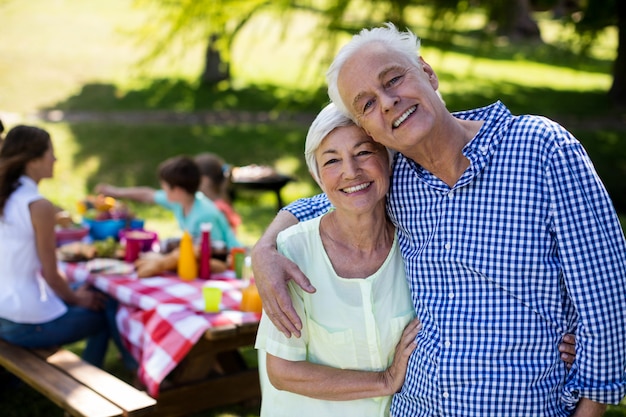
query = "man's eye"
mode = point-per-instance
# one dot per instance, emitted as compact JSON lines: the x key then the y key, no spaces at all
{"x":361,"y":153}
{"x":393,"y":81}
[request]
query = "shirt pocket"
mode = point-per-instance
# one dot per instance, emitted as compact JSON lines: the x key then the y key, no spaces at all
{"x":332,"y":347}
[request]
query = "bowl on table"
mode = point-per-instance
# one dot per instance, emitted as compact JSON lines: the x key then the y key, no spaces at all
{"x":146,"y":238}
{"x":71,"y":234}
{"x":102,"y":229}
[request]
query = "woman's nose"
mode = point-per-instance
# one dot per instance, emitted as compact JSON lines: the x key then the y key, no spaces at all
{"x":350,"y":168}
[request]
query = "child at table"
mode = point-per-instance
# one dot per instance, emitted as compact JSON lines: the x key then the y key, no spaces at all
{"x":180,"y":179}
{"x":214,"y":180}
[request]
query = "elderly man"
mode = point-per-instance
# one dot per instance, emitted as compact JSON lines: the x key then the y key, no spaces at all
{"x":509,"y":240}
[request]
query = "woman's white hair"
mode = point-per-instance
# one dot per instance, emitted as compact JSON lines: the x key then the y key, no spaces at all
{"x":329,"y":119}
{"x":406,"y":43}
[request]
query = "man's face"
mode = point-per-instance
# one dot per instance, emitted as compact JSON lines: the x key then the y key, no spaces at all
{"x":393,"y":99}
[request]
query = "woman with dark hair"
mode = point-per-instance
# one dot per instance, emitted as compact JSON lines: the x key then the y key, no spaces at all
{"x":38,"y":308}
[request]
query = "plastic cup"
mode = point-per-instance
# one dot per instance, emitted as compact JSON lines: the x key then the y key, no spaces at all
{"x":212,"y":299}
{"x":133,"y":247}
{"x":238,"y":256}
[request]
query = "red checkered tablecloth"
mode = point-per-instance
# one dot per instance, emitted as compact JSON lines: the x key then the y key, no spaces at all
{"x":161,"y":318}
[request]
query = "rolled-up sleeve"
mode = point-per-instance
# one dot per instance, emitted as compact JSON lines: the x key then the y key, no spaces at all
{"x":309,"y":208}
{"x":593,"y":255}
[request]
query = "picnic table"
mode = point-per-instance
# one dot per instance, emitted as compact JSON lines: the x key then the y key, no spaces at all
{"x":189,"y":360}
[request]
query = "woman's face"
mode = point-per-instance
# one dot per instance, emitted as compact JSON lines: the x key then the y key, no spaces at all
{"x":42,"y":167}
{"x":354,"y":170}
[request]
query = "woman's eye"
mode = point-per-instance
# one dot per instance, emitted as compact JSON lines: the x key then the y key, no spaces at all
{"x":330,"y":162}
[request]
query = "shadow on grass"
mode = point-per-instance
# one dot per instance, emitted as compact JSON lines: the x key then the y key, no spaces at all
{"x":181,"y":95}
{"x":129,"y":153}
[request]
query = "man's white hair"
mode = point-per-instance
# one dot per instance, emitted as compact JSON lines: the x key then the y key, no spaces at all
{"x":406,"y":43}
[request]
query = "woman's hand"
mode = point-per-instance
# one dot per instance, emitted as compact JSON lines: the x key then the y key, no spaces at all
{"x":567,"y":347}
{"x":394,"y":375}
{"x":89,"y":299}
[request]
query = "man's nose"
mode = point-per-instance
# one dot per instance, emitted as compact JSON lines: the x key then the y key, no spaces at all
{"x":388,"y":101}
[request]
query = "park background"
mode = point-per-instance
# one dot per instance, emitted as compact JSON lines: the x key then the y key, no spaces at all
{"x":120,"y":91}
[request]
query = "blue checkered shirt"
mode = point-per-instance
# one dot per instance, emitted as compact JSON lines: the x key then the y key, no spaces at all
{"x":524,"y":248}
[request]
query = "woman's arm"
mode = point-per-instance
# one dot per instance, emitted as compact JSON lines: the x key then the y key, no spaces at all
{"x":140,"y":194}
{"x":42,"y":214}
{"x":271,"y":273}
{"x":327,"y":383}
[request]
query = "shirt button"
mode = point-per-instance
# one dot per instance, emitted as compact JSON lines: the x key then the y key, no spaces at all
{"x":451,"y":295}
{"x":446,"y":395}
{"x":451,"y":194}
{"x":448,"y":246}
{"x":484,"y":150}
{"x":447,"y":343}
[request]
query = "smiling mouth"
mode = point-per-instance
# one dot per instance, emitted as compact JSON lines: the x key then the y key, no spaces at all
{"x":356,"y":188}
{"x":404,"y":116}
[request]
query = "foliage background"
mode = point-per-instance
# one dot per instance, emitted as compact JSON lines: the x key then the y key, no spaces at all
{"x":70,"y":66}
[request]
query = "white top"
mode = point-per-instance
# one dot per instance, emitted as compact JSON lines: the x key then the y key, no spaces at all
{"x":347,"y":323}
{"x":25,"y":296}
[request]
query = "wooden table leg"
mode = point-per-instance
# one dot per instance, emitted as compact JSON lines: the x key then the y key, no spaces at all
{"x":213,"y":373}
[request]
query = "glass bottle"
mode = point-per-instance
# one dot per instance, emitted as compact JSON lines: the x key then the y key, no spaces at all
{"x":205,"y":251}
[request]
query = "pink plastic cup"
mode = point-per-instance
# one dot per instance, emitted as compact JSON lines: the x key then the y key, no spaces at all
{"x":133,"y":247}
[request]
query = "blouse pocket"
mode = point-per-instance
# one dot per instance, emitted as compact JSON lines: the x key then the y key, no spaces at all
{"x":399,"y":323}
{"x":332,"y":347}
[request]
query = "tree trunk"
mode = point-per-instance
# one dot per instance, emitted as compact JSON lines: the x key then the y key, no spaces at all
{"x":215,"y":70}
{"x":617,"y":93}
{"x":514,"y":19}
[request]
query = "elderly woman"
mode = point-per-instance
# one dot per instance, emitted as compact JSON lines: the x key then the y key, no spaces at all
{"x":357,"y":330}
{"x":38,"y":308}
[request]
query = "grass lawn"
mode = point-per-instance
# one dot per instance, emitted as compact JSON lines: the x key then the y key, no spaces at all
{"x":72,"y":55}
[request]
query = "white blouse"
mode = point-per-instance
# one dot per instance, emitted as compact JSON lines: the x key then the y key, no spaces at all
{"x":25,"y":296}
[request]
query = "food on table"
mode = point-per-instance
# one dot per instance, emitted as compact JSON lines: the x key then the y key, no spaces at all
{"x":102,"y":207}
{"x":153,"y":264}
{"x":81,"y":251}
{"x":108,"y":248}
{"x":76,"y":251}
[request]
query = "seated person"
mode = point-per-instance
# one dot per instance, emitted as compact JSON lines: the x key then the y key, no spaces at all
{"x":38,"y":308}
{"x":180,"y":179}
{"x":214,"y":183}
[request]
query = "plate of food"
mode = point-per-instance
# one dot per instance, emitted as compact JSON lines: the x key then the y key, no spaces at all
{"x":76,"y":252}
{"x":109,"y":266}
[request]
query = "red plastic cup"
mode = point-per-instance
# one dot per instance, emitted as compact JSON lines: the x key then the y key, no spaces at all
{"x":133,"y":247}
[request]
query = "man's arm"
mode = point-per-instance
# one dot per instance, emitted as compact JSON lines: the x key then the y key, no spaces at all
{"x":271,"y":273}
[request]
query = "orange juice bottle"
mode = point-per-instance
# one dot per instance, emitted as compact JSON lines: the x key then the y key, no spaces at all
{"x":187,"y":264}
{"x":250,"y":298}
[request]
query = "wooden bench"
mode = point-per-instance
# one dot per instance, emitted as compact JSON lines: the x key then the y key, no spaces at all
{"x":74,"y":385}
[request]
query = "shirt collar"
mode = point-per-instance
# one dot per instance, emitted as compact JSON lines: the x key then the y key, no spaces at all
{"x":26,"y":181}
{"x":479,"y":150}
